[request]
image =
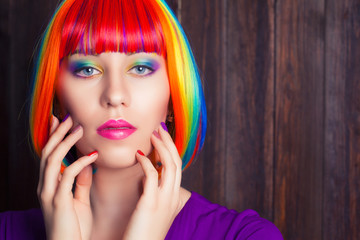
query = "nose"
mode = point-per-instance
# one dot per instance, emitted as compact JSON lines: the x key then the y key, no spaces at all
{"x":115,"y":92}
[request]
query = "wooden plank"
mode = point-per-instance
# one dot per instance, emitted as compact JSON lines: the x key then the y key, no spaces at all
{"x":299,"y":118}
{"x":342,"y":140}
{"x":204,"y":22}
{"x":174,"y":5}
{"x":250,"y":105}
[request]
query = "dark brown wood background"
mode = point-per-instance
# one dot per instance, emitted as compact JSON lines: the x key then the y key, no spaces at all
{"x":283,"y":95}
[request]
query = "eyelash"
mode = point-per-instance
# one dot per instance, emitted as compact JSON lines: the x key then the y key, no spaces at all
{"x":146,"y":68}
{"x":78,"y":71}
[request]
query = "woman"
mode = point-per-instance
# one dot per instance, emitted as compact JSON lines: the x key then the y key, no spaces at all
{"x":119,"y":74}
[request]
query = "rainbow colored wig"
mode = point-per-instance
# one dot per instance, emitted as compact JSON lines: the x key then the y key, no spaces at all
{"x":127,"y":26}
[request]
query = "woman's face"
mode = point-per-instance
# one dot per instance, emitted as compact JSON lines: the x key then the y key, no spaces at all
{"x":119,"y":99}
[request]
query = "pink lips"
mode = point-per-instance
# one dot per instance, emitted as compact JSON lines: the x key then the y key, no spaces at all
{"x":116,"y":129}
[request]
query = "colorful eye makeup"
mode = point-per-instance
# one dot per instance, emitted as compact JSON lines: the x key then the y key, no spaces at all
{"x":139,"y":68}
{"x":144,"y":67}
{"x":84,"y":68}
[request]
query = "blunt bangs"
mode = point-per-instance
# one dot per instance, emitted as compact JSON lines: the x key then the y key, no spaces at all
{"x":96,"y":26}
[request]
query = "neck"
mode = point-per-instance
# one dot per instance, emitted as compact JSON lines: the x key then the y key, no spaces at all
{"x":114,"y":195}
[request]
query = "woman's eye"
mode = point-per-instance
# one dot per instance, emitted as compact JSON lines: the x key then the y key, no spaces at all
{"x":86,"y":72}
{"x":141,"y":70}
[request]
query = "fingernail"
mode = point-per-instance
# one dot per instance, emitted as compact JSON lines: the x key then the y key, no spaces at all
{"x":66,"y":117}
{"x":77,"y":128}
{"x":156,"y":134}
{"x":164,"y":126}
{"x":140,"y":152}
{"x":92,"y":153}
{"x":158,"y":164}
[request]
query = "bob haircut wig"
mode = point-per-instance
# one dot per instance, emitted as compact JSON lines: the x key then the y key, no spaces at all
{"x":127,"y":26}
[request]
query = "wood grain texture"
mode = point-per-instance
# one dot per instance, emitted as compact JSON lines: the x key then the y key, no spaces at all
{"x":250,"y":105}
{"x":342,"y":140}
{"x":299,"y":118}
{"x":203,"y":21}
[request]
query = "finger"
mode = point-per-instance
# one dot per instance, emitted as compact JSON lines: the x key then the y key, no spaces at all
{"x":66,"y":184}
{"x":50,"y":146}
{"x":151,"y":175}
{"x":53,"y":163}
{"x":169,"y":143}
{"x":83,"y":183}
{"x":57,"y":136}
{"x":54,"y":124}
{"x":169,"y":167}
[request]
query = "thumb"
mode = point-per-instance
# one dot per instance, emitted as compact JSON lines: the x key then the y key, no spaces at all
{"x":83,"y":184}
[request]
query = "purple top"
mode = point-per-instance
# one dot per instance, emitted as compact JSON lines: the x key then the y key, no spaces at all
{"x":199,"y":219}
{"x":16,"y":225}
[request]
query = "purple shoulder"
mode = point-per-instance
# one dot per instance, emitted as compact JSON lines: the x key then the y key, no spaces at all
{"x":257,"y":228}
{"x":28,"y":224}
{"x":201,"y":219}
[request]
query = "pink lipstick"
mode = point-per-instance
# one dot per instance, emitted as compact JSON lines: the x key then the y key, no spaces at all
{"x":116,"y":129}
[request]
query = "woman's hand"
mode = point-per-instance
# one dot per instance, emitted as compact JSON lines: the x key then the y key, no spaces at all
{"x":160,"y":201}
{"x":66,"y":215}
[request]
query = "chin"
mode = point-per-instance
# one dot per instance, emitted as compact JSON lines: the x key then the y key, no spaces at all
{"x":115,"y":160}
{"x":115,"y":156}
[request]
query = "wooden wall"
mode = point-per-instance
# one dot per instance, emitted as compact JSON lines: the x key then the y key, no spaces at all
{"x":282,"y":89}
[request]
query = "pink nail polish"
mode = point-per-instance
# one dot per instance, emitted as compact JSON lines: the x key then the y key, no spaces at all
{"x":77,"y":128}
{"x":156,"y":134}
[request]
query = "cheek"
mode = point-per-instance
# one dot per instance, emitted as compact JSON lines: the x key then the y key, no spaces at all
{"x":75,"y":101}
{"x":151,"y":109}
{"x":152,"y":102}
